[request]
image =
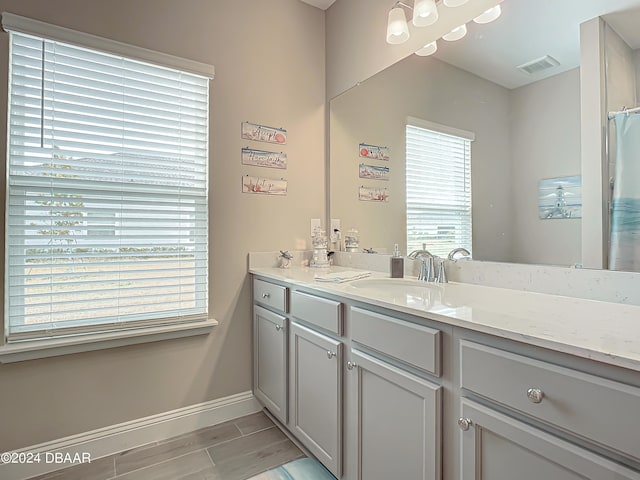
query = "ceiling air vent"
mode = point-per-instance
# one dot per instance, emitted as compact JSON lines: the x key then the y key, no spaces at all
{"x":539,"y":64}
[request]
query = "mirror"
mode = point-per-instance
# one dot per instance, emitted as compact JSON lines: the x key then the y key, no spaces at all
{"x":526,"y":127}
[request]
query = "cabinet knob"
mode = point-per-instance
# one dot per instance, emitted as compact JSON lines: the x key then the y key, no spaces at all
{"x":464,"y":423}
{"x":266,"y":295}
{"x":535,"y":395}
{"x":330,"y":354}
{"x":278,"y":327}
{"x":351,"y":365}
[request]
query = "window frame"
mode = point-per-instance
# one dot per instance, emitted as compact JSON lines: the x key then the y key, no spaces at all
{"x":92,"y":340}
{"x":464,"y":138}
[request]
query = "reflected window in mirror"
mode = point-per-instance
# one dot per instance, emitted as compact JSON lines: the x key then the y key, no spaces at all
{"x":438,"y":187}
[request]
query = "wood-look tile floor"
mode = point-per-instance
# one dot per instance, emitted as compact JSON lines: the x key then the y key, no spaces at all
{"x":234,"y":450}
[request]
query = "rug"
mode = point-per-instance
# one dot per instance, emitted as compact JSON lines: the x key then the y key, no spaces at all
{"x":301,"y":469}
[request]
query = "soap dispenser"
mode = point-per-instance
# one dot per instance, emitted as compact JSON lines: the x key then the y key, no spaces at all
{"x":397,"y":263}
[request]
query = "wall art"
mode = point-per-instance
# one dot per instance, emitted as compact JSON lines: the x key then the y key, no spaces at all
{"x":264,"y":186}
{"x":374,"y":194}
{"x":262,"y":133}
{"x":263,"y":158}
{"x":560,"y":197}
{"x":373,"y":151}
{"x":373,"y":172}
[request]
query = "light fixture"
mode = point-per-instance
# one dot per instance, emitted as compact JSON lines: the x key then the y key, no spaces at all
{"x":428,"y":49}
{"x":397,"y":28}
{"x":489,"y":16}
{"x":454,"y":3}
{"x":425,"y":13}
{"x":456,"y":34}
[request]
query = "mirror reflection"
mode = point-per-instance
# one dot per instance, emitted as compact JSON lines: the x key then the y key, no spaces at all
{"x":523,"y":126}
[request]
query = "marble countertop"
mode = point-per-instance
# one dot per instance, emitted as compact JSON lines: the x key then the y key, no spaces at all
{"x":601,"y":331}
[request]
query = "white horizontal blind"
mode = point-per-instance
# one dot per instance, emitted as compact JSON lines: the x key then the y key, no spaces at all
{"x":107,"y":191}
{"x":438,"y":181}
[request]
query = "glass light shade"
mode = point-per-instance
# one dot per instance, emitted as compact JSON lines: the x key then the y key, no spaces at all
{"x":454,"y":3}
{"x":455,"y":34}
{"x":428,"y":49}
{"x":489,"y":16}
{"x":397,"y":28}
{"x":425,"y":13}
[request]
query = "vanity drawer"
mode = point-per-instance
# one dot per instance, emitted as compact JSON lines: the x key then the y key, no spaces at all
{"x":416,"y":345}
{"x":592,"y":407}
{"x":270,"y":294}
{"x":318,"y":311}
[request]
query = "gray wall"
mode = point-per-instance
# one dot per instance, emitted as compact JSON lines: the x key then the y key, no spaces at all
{"x":543,"y":114}
{"x":51,"y":398}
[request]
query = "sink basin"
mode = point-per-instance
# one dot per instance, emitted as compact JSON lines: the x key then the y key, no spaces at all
{"x":410,"y":291}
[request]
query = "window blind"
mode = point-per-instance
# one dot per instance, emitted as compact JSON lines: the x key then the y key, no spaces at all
{"x":107,"y":216}
{"x":438,"y":183}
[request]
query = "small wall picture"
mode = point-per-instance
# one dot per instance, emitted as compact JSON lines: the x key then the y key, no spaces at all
{"x":264,"y":186}
{"x":262,"y":133}
{"x":263,"y":158}
{"x":374,"y":152}
{"x":560,"y":197}
{"x":374,"y":194}
{"x":373,"y":172}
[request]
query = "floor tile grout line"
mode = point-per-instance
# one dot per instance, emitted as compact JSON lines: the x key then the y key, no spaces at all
{"x":209,"y":455}
{"x":155,"y":444}
{"x":237,"y":438}
{"x":273,"y":442}
{"x":187,"y":435}
{"x":164,"y":461}
{"x":257,"y":431}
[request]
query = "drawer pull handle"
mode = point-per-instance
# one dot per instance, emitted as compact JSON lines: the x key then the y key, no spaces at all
{"x":330,"y":354}
{"x":266,"y":295}
{"x":351,"y":365}
{"x":278,"y":327}
{"x":535,"y":395}
{"x":464,"y":424}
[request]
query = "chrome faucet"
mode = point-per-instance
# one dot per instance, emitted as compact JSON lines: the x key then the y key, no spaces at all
{"x":427,"y":264}
{"x":465,"y":253}
{"x":441,"y":276}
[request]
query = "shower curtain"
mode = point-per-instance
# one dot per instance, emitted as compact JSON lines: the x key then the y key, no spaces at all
{"x":625,"y":214}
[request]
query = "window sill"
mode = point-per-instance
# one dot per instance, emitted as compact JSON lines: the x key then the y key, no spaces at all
{"x":31,"y":350}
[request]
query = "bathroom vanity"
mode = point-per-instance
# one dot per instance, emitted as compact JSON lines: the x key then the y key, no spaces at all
{"x":391,"y":378}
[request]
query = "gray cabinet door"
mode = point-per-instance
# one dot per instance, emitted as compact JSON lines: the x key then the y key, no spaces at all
{"x":399,"y":421}
{"x":270,"y":360}
{"x":316,"y":383}
{"x":497,"y":447}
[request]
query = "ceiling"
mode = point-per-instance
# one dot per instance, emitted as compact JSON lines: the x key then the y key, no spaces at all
{"x":321,"y":4}
{"x":531,"y":29}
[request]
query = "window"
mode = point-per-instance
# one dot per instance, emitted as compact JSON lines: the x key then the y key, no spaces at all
{"x":438,"y":181}
{"x":107,"y":216}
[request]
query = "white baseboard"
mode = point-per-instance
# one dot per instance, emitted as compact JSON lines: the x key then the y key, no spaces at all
{"x":116,"y":438}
